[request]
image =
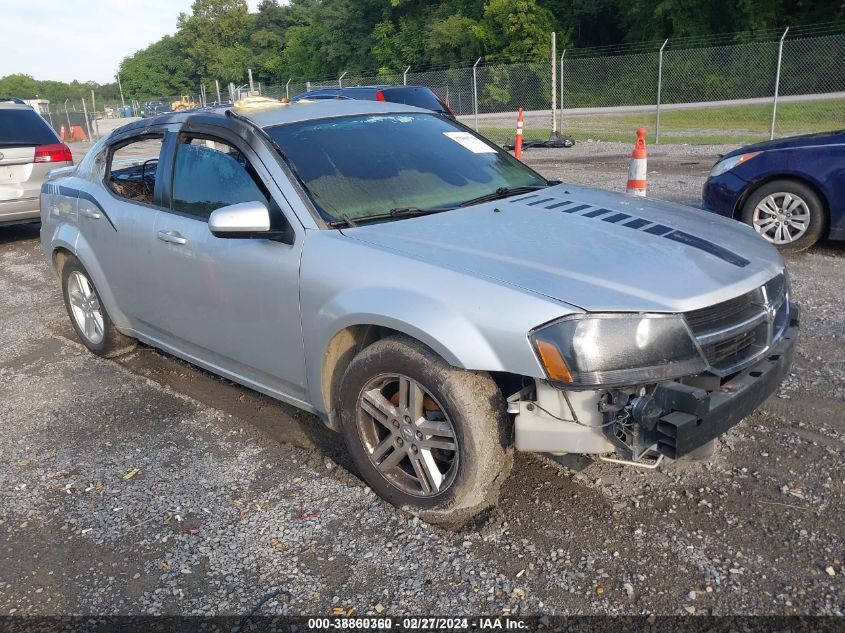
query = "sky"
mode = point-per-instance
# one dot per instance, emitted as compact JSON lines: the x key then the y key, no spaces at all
{"x":84,"y":40}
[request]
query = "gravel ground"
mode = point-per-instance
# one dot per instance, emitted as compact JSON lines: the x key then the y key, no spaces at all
{"x":145,"y":485}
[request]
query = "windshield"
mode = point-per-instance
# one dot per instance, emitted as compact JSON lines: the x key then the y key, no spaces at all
{"x":358,"y":166}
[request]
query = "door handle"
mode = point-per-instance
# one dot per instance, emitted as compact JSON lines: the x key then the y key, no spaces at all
{"x":90,"y":213}
{"x":172,"y":237}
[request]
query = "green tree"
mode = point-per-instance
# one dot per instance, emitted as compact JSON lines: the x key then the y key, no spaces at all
{"x":453,"y":38}
{"x":21,"y":86}
{"x":214,"y":37}
{"x":160,"y":70}
{"x":519,"y":29}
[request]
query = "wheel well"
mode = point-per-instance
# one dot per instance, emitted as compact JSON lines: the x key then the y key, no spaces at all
{"x":60,"y":256}
{"x":339,"y":354}
{"x":347,"y":343}
{"x":737,"y":213}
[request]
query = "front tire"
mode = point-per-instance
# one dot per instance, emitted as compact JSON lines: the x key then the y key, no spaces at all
{"x":787,"y":214}
{"x":427,"y":437}
{"x":88,"y":315}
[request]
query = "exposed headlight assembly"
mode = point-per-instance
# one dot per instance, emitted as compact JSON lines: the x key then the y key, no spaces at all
{"x":605,"y":350}
{"x":726,"y":164}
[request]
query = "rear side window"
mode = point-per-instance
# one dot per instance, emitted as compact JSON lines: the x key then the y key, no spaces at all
{"x":210,"y":174}
{"x":419,"y":97}
{"x":23,"y":127}
{"x":132,"y":168}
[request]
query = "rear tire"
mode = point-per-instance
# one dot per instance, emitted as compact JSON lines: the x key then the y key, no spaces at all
{"x":88,"y":315}
{"x":786,"y":213}
{"x":427,"y":437}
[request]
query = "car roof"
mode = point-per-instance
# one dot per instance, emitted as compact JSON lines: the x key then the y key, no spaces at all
{"x":274,"y":113}
{"x":370,"y":87}
{"x":305,"y":110}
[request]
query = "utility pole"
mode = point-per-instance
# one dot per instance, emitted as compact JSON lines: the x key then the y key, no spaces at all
{"x":119,"y":87}
{"x":777,"y":83}
{"x":251,"y":87}
{"x":93,"y":102}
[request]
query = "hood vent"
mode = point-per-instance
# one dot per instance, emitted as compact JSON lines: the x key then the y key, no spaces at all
{"x":634,"y":223}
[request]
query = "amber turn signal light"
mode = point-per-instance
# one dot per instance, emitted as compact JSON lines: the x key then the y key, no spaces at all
{"x":555,"y":365}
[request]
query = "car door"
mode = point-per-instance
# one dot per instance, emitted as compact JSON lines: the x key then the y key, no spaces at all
{"x":116,"y":217}
{"x":230,"y":304}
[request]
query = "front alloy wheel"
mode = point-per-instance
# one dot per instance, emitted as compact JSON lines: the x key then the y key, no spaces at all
{"x":786,"y":213}
{"x":407,"y":435}
{"x":427,"y":437}
{"x":781,"y":218}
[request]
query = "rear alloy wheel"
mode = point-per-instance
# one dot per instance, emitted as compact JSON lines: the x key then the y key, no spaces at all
{"x":87,"y":313}
{"x":426,"y":436}
{"x":787,"y":214}
{"x":85,"y":308}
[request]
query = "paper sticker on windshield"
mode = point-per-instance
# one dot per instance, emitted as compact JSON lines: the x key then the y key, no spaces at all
{"x":475,"y":145}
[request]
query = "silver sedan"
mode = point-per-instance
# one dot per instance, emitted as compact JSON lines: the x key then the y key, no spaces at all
{"x":418,"y":289}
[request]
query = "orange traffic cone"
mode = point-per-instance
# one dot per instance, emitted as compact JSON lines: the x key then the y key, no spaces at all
{"x":637,"y":174}
{"x":63,"y":133}
{"x":77,"y":134}
{"x":517,"y":144}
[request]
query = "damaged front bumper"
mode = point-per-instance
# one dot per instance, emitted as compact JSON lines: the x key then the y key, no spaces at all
{"x":670,"y":419}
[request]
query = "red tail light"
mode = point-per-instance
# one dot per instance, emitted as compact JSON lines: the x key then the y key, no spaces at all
{"x":56,"y":153}
{"x":380,"y":96}
{"x":447,"y":106}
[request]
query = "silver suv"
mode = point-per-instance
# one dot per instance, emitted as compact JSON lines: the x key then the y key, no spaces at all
{"x":419,"y":290}
{"x":29,"y":149}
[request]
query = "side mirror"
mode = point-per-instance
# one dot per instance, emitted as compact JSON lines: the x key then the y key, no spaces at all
{"x":244,"y":220}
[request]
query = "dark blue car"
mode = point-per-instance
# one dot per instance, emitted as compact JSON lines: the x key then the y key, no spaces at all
{"x":419,"y":96}
{"x":792,"y":190}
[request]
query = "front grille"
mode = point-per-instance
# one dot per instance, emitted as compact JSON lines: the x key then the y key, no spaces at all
{"x":726,"y":313}
{"x":733,"y":333}
{"x":736,"y":349}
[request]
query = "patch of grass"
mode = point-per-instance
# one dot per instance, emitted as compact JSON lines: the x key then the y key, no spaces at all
{"x":716,"y":125}
{"x":502,"y":135}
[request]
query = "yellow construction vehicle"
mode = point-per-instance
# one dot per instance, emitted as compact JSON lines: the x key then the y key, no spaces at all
{"x":185,"y":102}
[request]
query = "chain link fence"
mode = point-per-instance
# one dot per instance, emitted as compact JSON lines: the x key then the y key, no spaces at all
{"x":715,"y":94}
{"x":679,"y":92}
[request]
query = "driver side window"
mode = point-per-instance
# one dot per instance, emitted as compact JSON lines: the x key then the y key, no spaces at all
{"x":132,"y":168}
{"x":209,"y":174}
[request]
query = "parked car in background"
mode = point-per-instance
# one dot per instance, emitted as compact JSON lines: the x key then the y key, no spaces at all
{"x":153,"y":108}
{"x":792,"y":190}
{"x":420,"y":290}
{"x":418,"y":96}
{"x":29,"y":148}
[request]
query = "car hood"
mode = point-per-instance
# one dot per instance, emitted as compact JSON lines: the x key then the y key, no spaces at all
{"x":805,"y":140}
{"x":593,"y":249}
